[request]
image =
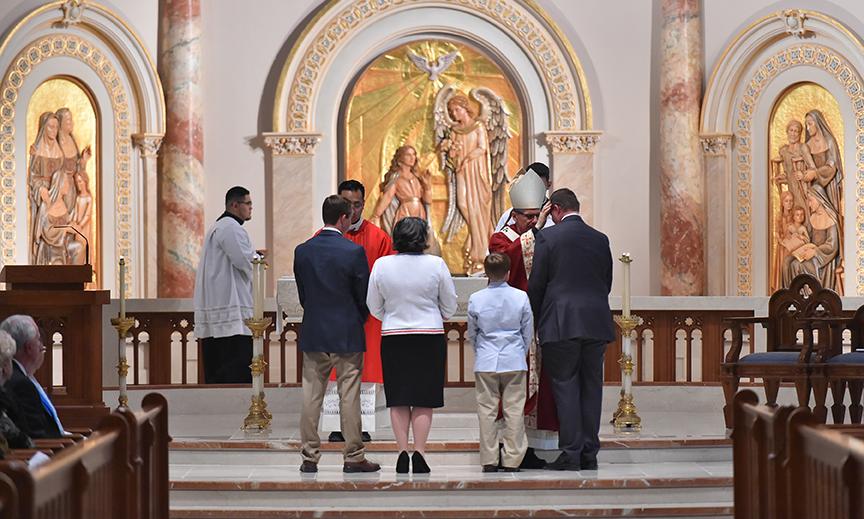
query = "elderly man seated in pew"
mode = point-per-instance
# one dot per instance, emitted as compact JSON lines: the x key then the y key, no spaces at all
{"x":37,"y":415}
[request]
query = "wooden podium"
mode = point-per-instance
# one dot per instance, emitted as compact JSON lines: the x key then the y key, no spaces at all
{"x":54,"y":296}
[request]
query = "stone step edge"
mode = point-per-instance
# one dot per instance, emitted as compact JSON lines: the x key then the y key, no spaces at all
{"x":449,"y":446}
{"x":424,"y":484}
{"x":712,"y":510}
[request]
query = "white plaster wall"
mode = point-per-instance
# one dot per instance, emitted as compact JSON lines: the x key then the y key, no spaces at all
{"x":614,"y":45}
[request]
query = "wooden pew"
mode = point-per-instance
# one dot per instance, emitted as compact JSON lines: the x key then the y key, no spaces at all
{"x":84,"y":480}
{"x":826,"y":469}
{"x":119,"y":471}
{"x":787,"y":359}
{"x":788,"y":465}
{"x":149,"y":455}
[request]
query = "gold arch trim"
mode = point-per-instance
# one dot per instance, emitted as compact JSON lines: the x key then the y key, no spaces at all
{"x":94,"y":6}
{"x":834,"y":64}
{"x":527,"y":22}
{"x":22,"y":65}
{"x":744,"y":33}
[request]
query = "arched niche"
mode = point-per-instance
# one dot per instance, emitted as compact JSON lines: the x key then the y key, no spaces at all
{"x":345,"y":35}
{"x":758,"y":66}
{"x":96,"y":48}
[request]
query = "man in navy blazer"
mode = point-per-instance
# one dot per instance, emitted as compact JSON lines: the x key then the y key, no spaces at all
{"x":34,"y":412}
{"x":332,"y":277}
{"x":569,"y":291}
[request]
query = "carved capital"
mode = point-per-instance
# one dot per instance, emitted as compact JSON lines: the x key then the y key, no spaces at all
{"x":715,"y":144}
{"x":147,"y":143}
{"x":292,"y":143}
{"x":572,"y":142}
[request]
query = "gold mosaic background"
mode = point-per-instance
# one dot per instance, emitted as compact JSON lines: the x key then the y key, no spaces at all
{"x":794,"y":103}
{"x":392,"y":104}
{"x":49,"y":97}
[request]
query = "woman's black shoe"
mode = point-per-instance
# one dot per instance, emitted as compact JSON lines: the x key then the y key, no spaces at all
{"x":419,"y":465}
{"x":402,"y":463}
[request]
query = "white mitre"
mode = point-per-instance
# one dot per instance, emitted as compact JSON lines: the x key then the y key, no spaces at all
{"x":528,"y":191}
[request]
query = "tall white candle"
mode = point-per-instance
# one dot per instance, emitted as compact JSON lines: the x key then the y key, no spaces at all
{"x":625,"y":301}
{"x":257,"y":301}
{"x":122,"y":287}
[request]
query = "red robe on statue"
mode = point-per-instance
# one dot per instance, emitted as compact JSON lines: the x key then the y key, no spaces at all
{"x":540,"y":404}
{"x":376,"y":243}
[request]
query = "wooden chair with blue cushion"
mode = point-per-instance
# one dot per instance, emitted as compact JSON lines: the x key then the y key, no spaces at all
{"x":787,"y":358}
{"x":838,"y":371}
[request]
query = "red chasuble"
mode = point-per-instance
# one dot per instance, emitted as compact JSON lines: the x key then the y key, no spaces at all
{"x":376,"y":243}
{"x":540,"y":405}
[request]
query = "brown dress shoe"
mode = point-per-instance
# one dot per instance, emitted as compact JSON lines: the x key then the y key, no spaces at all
{"x":309,"y":467}
{"x":360,"y":466}
{"x":490,"y":468}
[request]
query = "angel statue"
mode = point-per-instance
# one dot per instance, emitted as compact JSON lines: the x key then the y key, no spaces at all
{"x":473,"y":154}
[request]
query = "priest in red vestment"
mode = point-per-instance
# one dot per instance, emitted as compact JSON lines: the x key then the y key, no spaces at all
{"x":376,"y":243}
{"x":529,"y":214}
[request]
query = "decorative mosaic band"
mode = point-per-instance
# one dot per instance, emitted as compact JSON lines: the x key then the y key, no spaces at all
{"x":833,"y":63}
{"x":23,"y":64}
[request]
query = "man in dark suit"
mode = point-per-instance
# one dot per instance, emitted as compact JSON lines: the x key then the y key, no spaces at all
{"x":569,"y":291}
{"x":36,"y":415}
{"x":332,"y":277}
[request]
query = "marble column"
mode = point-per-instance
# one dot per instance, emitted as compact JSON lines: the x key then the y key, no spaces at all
{"x":716,"y":150}
{"x":147,"y":145}
{"x":572,"y":166}
{"x":682,"y":190}
{"x":181,"y":172}
{"x":292,"y":197}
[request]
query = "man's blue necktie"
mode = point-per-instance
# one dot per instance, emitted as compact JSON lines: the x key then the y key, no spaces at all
{"x":46,"y":403}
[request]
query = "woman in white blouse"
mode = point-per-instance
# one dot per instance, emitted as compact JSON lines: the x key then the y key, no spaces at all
{"x":412,"y":294}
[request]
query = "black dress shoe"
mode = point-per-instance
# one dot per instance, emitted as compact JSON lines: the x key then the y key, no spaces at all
{"x":532,"y":461}
{"x":490,"y":468}
{"x":563,"y":463}
{"x":309,"y":467}
{"x":418,"y":464}
{"x":402,"y":463}
{"x":588,"y":464}
{"x":510,"y":469}
{"x":365,"y":436}
{"x":360,"y":466}
{"x":336,"y":436}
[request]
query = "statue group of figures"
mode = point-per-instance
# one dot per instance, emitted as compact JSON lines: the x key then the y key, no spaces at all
{"x":59,"y":192}
{"x":809,"y":224}
{"x":472,"y":150}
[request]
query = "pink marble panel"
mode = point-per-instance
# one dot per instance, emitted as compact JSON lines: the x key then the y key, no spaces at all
{"x":682,"y":211}
{"x":181,"y":170}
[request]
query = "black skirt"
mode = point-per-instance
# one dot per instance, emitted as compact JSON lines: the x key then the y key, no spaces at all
{"x":413,"y":367}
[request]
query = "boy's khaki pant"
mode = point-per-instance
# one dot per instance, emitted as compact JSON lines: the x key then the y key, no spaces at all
{"x":508,"y":388}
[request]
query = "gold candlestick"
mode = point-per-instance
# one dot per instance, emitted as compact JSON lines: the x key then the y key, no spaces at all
{"x":122,"y":325}
{"x":626,"y":417}
{"x":259,"y":418}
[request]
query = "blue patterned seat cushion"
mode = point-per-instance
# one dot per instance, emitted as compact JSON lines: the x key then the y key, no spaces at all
{"x":856,"y":357}
{"x":770,"y":357}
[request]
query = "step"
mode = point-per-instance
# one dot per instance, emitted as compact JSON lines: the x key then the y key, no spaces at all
{"x":701,"y":511}
{"x":439,"y":453}
{"x":280,"y":487}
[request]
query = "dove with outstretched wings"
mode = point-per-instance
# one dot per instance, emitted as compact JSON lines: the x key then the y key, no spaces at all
{"x":434,"y":70}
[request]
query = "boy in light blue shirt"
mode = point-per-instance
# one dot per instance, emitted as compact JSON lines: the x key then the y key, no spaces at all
{"x":500,"y":327}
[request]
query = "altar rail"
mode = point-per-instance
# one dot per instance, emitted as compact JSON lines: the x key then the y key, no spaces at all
{"x":672,"y":346}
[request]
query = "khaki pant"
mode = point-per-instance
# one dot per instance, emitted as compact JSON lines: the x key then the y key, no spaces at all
{"x":316,"y":371}
{"x":508,"y":388}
